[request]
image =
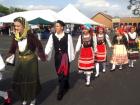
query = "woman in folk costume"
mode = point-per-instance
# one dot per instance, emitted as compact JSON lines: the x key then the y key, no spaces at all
{"x":133,"y":46}
{"x":64,"y":53}
{"x":119,"y":56}
{"x":86,"y":47}
{"x":101,"y":53}
{"x":26,"y":82}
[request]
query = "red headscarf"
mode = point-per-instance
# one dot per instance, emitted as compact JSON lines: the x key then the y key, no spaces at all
{"x":100,"y":27}
{"x":120,"y":30}
{"x":88,"y":27}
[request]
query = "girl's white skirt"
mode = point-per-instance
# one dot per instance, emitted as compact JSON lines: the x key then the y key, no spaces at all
{"x":119,"y":55}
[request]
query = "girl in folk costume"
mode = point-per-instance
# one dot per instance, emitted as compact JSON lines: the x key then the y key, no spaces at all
{"x":26,"y":82}
{"x":119,"y":56}
{"x":133,"y":46}
{"x":86,"y":57}
{"x":101,"y":53}
{"x":64,"y":54}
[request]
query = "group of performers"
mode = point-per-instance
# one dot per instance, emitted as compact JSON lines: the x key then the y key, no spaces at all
{"x":93,"y":49}
{"x":93,"y":52}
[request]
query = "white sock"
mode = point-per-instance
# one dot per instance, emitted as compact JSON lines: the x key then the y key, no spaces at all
{"x":120,"y":67}
{"x":88,"y":75}
{"x":97,"y":70}
{"x":113,"y":66}
{"x":4,"y":94}
{"x":33,"y":102}
{"x":24,"y":102}
{"x":129,"y":63}
{"x":104,"y":64}
{"x":0,"y":76}
{"x":132,"y":63}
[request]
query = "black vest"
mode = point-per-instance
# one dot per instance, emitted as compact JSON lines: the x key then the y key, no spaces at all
{"x":60,"y":46}
{"x":101,"y":40}
{"x":87,"y":42}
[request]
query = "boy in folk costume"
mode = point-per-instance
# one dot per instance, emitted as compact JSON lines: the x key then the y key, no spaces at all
{"x":86,"y":47}
{"x":119,"y":56}
{"x":64,"y":54}
{"x":133,"y":46}
{"x":26,"y":83}
{"x":101,"y":53}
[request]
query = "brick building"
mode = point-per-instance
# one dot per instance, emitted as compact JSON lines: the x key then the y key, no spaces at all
{"x":110,"y":21}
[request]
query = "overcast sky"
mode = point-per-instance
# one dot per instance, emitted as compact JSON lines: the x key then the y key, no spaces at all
{"x":88,"y":7}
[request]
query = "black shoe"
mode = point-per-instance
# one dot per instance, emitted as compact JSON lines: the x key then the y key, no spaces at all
{"x":112,"y":70}
{"x":59,"y":97}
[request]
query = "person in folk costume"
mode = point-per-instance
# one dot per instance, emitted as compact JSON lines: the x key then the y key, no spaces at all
{"x":133,"y":46}
{"x":26,"y":83}
{"x":62,"y":44}
{"x":86,"y":44}
{"x":101,"y":53}
{"x":4,"y":94}
{"x":119,"y":45}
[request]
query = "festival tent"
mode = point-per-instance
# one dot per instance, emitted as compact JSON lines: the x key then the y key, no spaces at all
{"x":72,"y":15}
{"x":47,"y":15}
{"x":39,"y":21}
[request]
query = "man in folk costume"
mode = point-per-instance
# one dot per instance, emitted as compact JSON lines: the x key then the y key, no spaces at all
{"x":101,"y":53}
{"x":133,"y":46}
{"x":64,"y":54}
{"x":26,"y":82}
{"x":86,"y":44}
{"x":119,"y":45}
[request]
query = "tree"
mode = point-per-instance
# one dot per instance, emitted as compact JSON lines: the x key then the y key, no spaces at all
{"x":4,"y":10}
{"x":134,"y":6}
{"x":13,"y":9}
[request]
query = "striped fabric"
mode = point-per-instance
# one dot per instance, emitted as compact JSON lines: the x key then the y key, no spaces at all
{"x":101,"y":53}
{"x":119,"y":55}
{"x":86,"y":59}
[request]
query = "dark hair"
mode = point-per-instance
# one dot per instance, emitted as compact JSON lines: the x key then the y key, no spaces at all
{"x":20,"y":20}
{"x":60,"y":22}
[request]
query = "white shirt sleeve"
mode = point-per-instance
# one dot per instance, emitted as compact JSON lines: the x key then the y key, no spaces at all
{"x":70,"y":49}
{"x":49,"y":47}
{"x":126,"y":35}
{"x":94,"y":42}
{"x":78,"y":45}
{"x":108,"y":41}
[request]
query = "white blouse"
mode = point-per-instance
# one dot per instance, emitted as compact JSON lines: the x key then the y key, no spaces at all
{"x":22,"y":45}
{"x":131,"y":35}
{"x":79,"y":44}
{"x":107,"y":39}
{"x":49,"y":46}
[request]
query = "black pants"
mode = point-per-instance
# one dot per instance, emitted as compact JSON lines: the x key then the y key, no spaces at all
{"x":62,"y":79}
{"x":63,"y":83}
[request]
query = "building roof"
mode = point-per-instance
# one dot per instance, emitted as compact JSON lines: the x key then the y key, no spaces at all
{"x":130,"y":19}
{"x":105,"y":15}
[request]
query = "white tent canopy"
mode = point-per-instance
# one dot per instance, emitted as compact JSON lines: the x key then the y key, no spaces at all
{"x":72,"y":15}
{"x":69,"y":15}
{"x":48,"y":15}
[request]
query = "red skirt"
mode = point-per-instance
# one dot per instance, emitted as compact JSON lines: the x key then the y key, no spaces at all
{"x":101,"y":53}
{"x":86,"y":59}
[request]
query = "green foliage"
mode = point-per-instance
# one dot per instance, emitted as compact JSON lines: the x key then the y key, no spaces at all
{"x":6,"y":10}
